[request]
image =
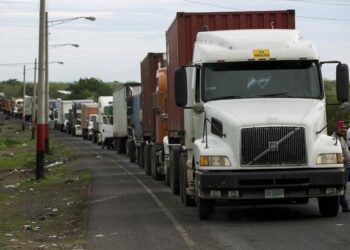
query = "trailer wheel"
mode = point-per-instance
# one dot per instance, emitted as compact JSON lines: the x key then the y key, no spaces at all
{"x":132,"y":151}
{"x":328,"y":206}
{"x":147,"y":159}
{"x":185,"y":198}
{"x":206,"y":208}
{"x":154,"y":164}
{"x":174,"y":169}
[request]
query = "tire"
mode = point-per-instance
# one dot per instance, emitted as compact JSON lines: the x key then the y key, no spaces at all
{"x":206,"y":208}
{"x":132,"y":150}
{"x":154,"y":164}
{"x":147,"y":159}
{"x":185,"y":198}
{"x":174,"y":170}
{"x":328,"y":206}
{"x":121,"y":147}
{"x":95,"y":138}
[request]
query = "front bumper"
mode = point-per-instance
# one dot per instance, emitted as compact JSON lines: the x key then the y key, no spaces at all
{"x":249,"y":185}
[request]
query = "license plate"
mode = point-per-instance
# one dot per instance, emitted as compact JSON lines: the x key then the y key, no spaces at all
{"x":274,"y":193}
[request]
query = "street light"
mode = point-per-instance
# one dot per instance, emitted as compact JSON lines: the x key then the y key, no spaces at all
{"x":65,"y":44}
{"x":51,"y":23}
{"x":66,"y":20}
{"x":35,"y":97}
{"x":42,"y":125}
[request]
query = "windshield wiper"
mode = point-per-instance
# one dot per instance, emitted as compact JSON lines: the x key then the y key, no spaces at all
{"x":226,"y":97}
{"x":276,"y":94}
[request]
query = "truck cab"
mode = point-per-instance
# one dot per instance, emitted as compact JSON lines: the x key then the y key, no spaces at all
{"x":255,"y":119}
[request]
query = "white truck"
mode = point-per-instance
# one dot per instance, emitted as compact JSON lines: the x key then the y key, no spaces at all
{"x":122,"y":109}
{"x":107,"y":127}
{"x":63,"y":114}
{"x":103,"y":101}
{"x":255,"y":122}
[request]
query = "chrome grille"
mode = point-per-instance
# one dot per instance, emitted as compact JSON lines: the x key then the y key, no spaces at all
{"x":273,"y":146}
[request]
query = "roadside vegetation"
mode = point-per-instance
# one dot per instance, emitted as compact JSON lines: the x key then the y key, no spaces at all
{"x":84,"y":88}
{"x":39,"y":214}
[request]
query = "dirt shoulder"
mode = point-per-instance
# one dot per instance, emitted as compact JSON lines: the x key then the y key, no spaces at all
{"x":48,"y":214}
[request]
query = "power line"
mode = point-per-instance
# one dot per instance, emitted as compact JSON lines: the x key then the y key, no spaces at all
{"x":319,"y":3}
{"x":231,"y":8}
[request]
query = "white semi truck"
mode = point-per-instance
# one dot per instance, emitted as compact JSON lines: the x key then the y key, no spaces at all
{"x":103,"y":101}
{"x":63,"y":114}
{"x":122,"y":110}
{"x":255,"y":122}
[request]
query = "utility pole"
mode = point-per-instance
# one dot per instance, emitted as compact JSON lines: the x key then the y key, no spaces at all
{"x":47,"y":145}
{"x":24,"y":99}
{"x":40,"y":143}
{"x":34,"y":102}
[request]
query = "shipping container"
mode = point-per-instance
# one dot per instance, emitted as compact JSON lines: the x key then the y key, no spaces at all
{"x":149,"y":67}
{"x":181,"y":35}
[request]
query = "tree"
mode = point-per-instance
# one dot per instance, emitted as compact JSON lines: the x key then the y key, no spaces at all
{"x":90,"y":88}
{"x":12,"y":88}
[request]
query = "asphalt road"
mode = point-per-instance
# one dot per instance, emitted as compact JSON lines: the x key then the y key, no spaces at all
{"x":129,"y":210}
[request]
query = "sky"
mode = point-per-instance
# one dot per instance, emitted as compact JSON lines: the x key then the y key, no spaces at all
{"x":112,"y":47}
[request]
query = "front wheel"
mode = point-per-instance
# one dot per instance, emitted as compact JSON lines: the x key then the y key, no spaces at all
{"x":154,"y":164}
{"x":328,"y":206}
{"x":185,"y":198}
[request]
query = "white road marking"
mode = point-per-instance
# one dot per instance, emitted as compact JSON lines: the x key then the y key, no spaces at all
{"x":189,"y":242}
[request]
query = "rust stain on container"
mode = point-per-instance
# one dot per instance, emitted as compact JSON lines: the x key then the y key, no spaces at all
{"x":181,"y":35}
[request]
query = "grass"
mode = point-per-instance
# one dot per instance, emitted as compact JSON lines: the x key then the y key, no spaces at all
{"x":32,"y":201}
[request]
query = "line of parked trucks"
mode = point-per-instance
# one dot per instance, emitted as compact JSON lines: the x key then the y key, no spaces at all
{"x":235,"y":110}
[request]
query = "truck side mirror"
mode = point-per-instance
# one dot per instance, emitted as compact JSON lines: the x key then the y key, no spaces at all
{"x":342,"y":76}
{"x":181,"y":87}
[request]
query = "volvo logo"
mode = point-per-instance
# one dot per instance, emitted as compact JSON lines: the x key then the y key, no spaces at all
{"x":273,"y":146}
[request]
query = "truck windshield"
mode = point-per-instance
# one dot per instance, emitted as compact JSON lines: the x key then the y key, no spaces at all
{"x":93,"y":118}
{"x":261,"y":79}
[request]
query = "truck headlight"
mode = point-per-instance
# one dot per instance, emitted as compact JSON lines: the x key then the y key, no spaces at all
{"x":331,"y":158}
{"x":214,"y":160}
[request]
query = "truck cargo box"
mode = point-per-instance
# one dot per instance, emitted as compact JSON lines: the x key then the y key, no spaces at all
{"x":122,"y":101}
{"x":149,"y":67}
{"x":86,"y":110}
{"x":181,"y":35}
